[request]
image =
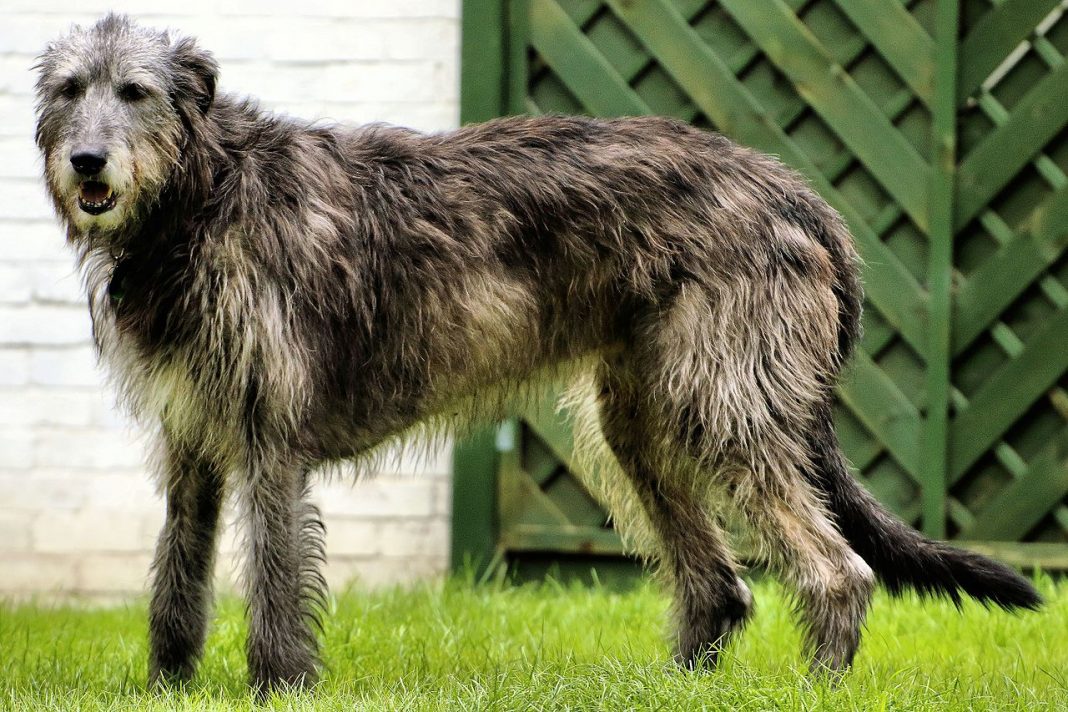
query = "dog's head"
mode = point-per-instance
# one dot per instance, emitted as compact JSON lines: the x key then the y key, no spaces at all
{"x":115,"y":105}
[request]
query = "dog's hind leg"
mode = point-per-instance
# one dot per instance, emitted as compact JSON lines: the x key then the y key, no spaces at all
{"x":183,"y":567}
{"x":285,"y":587}
{"x":730,"y":375}
{"x":797,"y":538}
{"x":711,"y":601}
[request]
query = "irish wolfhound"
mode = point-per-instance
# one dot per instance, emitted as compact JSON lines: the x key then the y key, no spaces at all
{"x":275,"y":295}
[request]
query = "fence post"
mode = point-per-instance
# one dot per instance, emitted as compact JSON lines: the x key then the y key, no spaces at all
{"x":940,"y":267}
{"x":483,"y":60}
{"x":483,"y":83}
{"x":474,"y":502}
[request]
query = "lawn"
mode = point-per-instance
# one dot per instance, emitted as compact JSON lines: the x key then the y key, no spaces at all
{"x":550,"y":646}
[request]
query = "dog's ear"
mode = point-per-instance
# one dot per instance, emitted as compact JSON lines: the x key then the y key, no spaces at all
{"x":195,"y":75}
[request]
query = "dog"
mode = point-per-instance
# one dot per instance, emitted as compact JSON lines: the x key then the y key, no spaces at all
{"x":272,"y":296}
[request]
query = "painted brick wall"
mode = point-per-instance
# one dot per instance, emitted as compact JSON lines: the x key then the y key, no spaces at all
{"x":78,"y":512}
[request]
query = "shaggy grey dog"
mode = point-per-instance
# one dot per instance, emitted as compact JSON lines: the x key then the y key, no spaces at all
{"x":276,"y":295}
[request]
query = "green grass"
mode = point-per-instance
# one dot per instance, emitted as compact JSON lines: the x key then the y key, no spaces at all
{"x":494,"y":647}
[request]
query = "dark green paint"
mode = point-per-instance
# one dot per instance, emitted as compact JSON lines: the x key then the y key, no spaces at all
{"x":960,"y":367}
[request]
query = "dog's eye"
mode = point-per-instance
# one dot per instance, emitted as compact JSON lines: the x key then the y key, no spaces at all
{"x":132,"y":92}
{"x":70,"y":88}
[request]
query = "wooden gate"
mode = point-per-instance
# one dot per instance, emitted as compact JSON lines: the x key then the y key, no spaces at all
{"x":937,"y":129}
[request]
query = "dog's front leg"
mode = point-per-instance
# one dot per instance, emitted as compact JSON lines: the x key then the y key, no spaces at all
{"x":285,"y":587}
{"x":181,"y":589}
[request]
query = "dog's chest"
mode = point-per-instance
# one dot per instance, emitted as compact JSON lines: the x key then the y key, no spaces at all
{"x":172,"y":394}
{"x":181,"y":385}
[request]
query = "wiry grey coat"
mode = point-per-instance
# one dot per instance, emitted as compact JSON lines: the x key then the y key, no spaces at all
{"x":277,"y":295}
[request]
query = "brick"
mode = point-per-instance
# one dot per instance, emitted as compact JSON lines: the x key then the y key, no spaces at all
{"x":35,"y":574}
{"x":44,"y":324}
{"x":89,"y":530}
{"x":16,"y":448}
{"x":89,"y":449}
{"x":109,"y":414}
{"x":43,"y":489}
{"x":16,"y":74}
{"x":348,"y":536}
{"x":231,"y":536}
{"x":21,"y":157}
{"x":15,"y":526}
{"x":28,"y":34}
{"x":380,"y":572}
{"x":413,"y":539}
{"x":423,"y":81}
{"x":58,"y":283}
{"x":379,"y":497}
{"x":330,"y":40}
{"x":131,"y":492}
{"x":341,"y":573}
{"x":37,"y":406}
{"x":26,"y":199}
{"x":112,"y":573}
{"x":14,"y":368}
{"x":40,"y":238}
{"x":343,"y":9}
{"x":423,"y":38}
{"x":16,"y":118}
{"x":66,"y":366}
{"x":89,"y":10}
{"x":16,"y":284}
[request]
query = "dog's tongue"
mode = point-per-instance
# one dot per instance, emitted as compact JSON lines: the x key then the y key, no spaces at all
{"x":94,"y":191}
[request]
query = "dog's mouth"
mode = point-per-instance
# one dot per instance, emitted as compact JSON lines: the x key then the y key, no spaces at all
{"x":95,"y":198}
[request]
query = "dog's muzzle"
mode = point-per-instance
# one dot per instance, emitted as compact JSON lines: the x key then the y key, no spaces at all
{"x":94,"y":196}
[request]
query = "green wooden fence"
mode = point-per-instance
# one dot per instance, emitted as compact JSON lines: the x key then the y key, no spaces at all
{"x":938,"y":129}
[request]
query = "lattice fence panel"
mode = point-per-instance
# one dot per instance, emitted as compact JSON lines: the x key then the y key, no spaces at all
{"x":1009,"y":435}
{"x":845,"y":91}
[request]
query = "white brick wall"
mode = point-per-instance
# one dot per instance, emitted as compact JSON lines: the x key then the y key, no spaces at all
{"x":78,"y":512}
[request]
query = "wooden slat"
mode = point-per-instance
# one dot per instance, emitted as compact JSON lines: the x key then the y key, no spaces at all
{"x":940,"y":271}
{"x":861,"y":457}
{"x":1050,"y":222}
{"x":877,"y":335}
{"x":537,"y":458}
{"x":571,"y":497}
{"x":518,"y":18}
{"x":713,"y":87}
{"x":578,"y":64}
{"x":581,"y":11}
{"x":1047,"y":556}
{"x":521,"y":499}
{"x":1021,"y":505}
{"x":474,"y":501}
{"x":482,"y":60}
{"x":562,"y":538}
{"x":996,"y":34}
{"x":836,"y":97}
{"x":1037,"y":118}
{"x":879,"y":404}
{"x":900,"y":39}
{"x":992,"y":287}
{"x":1007,"y":394}
{"x":554,"y":429}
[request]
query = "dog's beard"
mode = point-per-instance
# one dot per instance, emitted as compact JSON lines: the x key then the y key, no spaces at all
{"x":102,"y":211}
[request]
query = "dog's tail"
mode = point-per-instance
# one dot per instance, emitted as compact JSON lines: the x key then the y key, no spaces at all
{"x":900,"y":556}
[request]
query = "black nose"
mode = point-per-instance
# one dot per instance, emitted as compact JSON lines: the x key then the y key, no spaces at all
{"x":89,"y":161}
